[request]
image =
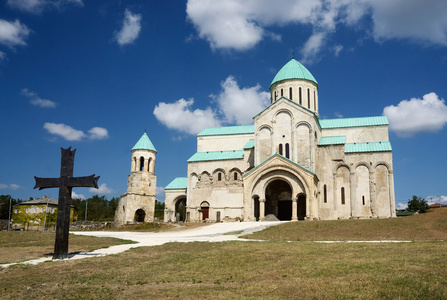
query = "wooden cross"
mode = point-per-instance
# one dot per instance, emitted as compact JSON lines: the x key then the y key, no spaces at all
{"x":65,"y":183}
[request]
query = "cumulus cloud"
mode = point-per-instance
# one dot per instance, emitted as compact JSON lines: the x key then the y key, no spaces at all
{"x":11,"y":186}
{"x":436,"y":199}
{"x":239,"y":106}
{"x":38,"y":6}
{"x":240,"y":25}
{"x":130,"y":30}
{"x":98,"y":133}
{"x":13,"y":33}
{"x":401,"y":206}
{"x":75,"y":195}
{"x":413,"y":116}
{"x":102,"y":189}
{"x":180,"y":116}
{"x":36,"y":100}
{"x":70,"y":134}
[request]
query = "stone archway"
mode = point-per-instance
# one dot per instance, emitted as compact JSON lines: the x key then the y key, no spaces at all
{"x":278,"y":199}
{"x":180,"y":210}
{"x":139,"y":216}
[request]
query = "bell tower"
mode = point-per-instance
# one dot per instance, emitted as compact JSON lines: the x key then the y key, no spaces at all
{"x":138,"y":203}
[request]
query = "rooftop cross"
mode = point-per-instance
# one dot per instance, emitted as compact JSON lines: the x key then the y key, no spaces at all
{"x":65,"y":183}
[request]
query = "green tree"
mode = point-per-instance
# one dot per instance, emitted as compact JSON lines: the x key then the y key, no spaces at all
{"x":417,"y":204}
{"x":4,"y":206}
{"x":159,"y":210}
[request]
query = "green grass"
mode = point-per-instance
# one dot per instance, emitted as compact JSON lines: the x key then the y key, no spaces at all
{"x":17,"y":246}
{"x":274,"y":269}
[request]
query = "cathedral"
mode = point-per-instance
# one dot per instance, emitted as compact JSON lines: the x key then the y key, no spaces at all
{"x":289,"y":164}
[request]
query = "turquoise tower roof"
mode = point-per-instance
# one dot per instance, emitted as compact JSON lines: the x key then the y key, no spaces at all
{"x":144,"y":143}
{"x":293,"y":70}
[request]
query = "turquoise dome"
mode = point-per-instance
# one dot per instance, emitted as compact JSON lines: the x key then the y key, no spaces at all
{"x":293,"y":70}
{"x":144,"y":144}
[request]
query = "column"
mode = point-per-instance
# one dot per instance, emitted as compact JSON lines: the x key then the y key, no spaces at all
{"x":295,"y":209}
{"x":261,"y":209}
{"x":334,"y":195}
{"x":353,"y":188}
{"x":372,"y":193}
{"x":392,"y":200}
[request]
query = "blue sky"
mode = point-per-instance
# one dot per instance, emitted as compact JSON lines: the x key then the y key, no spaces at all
{"x":94,"y":75}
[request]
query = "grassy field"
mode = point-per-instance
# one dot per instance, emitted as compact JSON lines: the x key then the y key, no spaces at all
{"x":275,"y":269}
{"x":17,"y":246}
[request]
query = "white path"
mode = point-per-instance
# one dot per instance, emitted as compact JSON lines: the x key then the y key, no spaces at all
{"x":212,"y":233}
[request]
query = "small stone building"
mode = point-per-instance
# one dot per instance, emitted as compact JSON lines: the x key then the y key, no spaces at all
{"x":138,"y":203}
{"x":289,"y":163}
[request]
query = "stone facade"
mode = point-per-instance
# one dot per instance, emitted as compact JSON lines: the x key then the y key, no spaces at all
{"x":138,"y":203}
{"x":289,"y":163}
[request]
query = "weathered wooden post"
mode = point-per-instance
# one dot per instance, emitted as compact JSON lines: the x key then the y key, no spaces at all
{"x":65,"y":183}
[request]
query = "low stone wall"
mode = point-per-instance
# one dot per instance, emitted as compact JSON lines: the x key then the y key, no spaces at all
{"x":87,"y":225}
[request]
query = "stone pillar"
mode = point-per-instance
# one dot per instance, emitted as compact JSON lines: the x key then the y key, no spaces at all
{"x":392,"y":200}
{"x":152,"y":166}
{"x":334,"y":195}
{"x":295,"y":209}
{"x":372,"y":194}
{"x":261,"y":209}
{"x":353,"y":188}
{"x":218,"y":217}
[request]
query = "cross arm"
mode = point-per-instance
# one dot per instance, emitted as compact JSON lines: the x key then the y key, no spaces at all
{"x":44,"y":183}
{"x":85,"y":181}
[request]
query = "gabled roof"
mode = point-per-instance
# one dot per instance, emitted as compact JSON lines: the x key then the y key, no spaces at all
{"x":293,"y":70}
{"x":332,"y":140}
{"x":228,"y":130}
{"x":249,"y":145}
{"x":43,"y":200}
{"x":353,"y":122}
{"x":178,"y":183}
{"x":144,"y":143}
{"x":368,"y":147}
{"x":217,"y":155}
{"x":285,"y":98}
{"x":279,"y":155}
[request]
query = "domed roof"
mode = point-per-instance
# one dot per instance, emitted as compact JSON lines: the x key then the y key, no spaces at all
{"x":293,"y":70}
{"x":144,"y":143}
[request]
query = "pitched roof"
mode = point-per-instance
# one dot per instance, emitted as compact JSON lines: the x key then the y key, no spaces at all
{"x":368,"y":147}
{"x":178,"y":183}
{"x":250,"y":144}
{"x":217,"y":155}
{"x":293,"y":70}
{"x":332,"y":140}
{"x":43,"y":200}
{"x":353,"y":122}
{"x":144,"y":143}
{"x":228,"y":130}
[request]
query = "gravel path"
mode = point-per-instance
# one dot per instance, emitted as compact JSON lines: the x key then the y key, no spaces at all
{"x":219,"y":232}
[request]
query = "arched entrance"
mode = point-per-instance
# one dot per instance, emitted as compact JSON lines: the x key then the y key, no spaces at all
{"x":301,"y":207}
{"x":140,"y":214}
{"x":278,"y":199}
{"x":180,"y":210}
{"x":205,"y":210}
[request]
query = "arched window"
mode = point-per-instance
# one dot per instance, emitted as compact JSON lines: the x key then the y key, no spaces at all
{"x":280,"y":149}
{"x":142,"y":163}
{"x":301,"y":97}
{"x":342,"y":195}
{"x":308,"y":98}
{"x":235,"y":176}
{"x":287,"y":150}
{"x":290,"y":93}
{"x":275,"y":97}
{"x":219,"y":177}
{"x":149,"y":164}
{"x":325,"y":193}
{"x":363,"y":200}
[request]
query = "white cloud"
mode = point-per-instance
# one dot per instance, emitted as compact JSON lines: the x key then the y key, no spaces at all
{"x":70,"y":134}
{"x":401,"y":206}
{"x":2,"y":55}
{"x":240,"y":25}
{"x":413,"y":116}
{"x":239,"y":106}
{"x":13,"y":33}
{"x":37,"y":6}
{"x":179,"y":116}
{"x":36,"y":100}
{"x":102,"y":189}
{"x":75,"y":195}
{"x":160,"y":193}
{"x":130,"y":30}
{"x":11,"y":186}
{"x":312,"y":47}
{"x":337,"y":49}
{"x":98,"y":133}
{"x":436,"y":199}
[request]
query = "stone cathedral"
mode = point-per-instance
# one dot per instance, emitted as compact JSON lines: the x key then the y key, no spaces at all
{"x":290,"y":164}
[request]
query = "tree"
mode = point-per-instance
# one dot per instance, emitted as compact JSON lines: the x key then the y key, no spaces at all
{"x":418,"y":204}
{"x":4,"y":206}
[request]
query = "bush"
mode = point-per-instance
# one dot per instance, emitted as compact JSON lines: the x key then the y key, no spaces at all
{"x":417,"y":204}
